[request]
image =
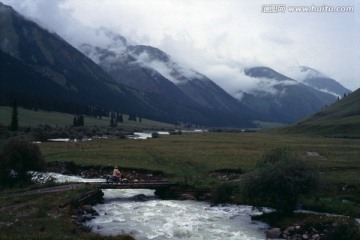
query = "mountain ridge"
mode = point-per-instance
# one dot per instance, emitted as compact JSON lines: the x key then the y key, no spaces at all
{"x":142,"y":79}
{"x":77,"y":80}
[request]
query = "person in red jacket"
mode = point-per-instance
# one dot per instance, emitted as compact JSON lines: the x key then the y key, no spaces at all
{"x":116,"y":173}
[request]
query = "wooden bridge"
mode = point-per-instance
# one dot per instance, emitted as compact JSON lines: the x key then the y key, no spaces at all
{"x":163,"y":189}
{"x":154,"y":184}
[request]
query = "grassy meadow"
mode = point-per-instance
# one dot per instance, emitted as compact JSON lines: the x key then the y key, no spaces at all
{"x":191,"y":157}
{"x":196,"y":154}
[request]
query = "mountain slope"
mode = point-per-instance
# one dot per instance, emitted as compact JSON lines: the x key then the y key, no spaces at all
{"x":54,"y":59}
{"x":193,"y":84}
{"x":282,"y":99}
{"x":150,"y":70}
{"x":57,"y":76}
{"x":341,"y":119}
{"x":319,"y":81}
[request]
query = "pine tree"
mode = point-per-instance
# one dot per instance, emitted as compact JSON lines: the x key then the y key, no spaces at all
{"x":14,"y":117}
{"x":81,"y":120}
{"x":75,"y":122}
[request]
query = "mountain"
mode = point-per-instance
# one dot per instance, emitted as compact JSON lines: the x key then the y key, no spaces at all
{"x":151,"y":70}
{"x":319,"y":81}
{"x":341,"y":119}
{"x":42,"y":70}
{"x":282,"y":99}
{"x":52,"y":70}
{"x":276,"y":97}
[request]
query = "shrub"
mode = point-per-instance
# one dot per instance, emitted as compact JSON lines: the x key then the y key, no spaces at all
{"x":19,"y":157}
{"x":279,"y":179}
{"x":344,"y":231}
{"x":155,"y":135}
{"x":223,"y":194}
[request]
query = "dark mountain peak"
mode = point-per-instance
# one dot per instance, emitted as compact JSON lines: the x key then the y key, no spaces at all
{"x":311,"y":72}
{"x":265,"y":72}
{"x":6,"y":9}
{"x":321,"y":82}
{"x":152,"y":52}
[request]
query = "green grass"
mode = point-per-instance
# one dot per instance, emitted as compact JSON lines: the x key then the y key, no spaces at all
{"x":203,"y":152}
{"x":34,"y":118}
{"x":39,"y":217}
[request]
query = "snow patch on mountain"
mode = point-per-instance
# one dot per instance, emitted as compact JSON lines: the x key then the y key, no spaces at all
{"x":163,"y":65}
{"x":317,"y":80}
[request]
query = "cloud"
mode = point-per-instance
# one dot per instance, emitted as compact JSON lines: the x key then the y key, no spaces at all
{"x":210,"y":36}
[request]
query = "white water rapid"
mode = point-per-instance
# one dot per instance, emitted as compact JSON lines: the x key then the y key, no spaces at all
{"x":151,"y":218}
{"x":139,"y":213}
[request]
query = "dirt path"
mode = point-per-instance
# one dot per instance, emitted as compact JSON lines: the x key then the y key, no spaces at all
{"x":61,"y":188}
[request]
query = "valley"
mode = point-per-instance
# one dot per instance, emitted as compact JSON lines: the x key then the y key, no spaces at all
{"x":239,"y":114}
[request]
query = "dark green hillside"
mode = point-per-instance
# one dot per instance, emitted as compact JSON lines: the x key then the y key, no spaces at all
{"x":35,"y":118}
{"x":341,"y":119}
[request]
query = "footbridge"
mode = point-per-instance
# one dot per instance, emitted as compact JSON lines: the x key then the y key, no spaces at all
{"x":163,"y":189}
{"x":153,"y":184}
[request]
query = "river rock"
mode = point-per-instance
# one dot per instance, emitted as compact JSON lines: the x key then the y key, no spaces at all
{"x":140,"y":198}
{"x":289,"y":230}
{"x":88,"y":209}
{"x":273,"y":233}
{"x":315,"y":236}
{"x":186,"y":196}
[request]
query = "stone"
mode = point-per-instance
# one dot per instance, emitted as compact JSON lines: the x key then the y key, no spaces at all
{"x":186,"y":197}
{"x":315,"y":236}
{"x":290,"y":229}
{"x":273,"y":233}
{"x":88,"y":209}
{"x":140,"y":198}
{"x":305,"y":236}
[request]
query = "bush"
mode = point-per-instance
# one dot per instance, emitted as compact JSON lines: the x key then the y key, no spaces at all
{"x":344,"y":231}
{"x":278,"y":181}
{"x":19,"y":157}
{"x":223,"y":194}
{"x":155,"y":135}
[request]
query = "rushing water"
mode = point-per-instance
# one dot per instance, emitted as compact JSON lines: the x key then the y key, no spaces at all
{"x":139,"y":213}
{"x":152,"y":218}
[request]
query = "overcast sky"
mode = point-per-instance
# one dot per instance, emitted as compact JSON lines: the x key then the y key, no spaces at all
{"x":218,"y":37}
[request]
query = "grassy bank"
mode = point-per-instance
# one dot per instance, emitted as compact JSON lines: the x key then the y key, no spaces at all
{"x":38,"y":216}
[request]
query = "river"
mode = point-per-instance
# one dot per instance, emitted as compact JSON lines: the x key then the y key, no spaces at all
{"x":137,"y":212}
{"x":151,"y":218}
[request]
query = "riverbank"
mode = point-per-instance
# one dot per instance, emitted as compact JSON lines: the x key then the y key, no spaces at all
{"x":299,"y":226}
{"x":310,"y":226}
